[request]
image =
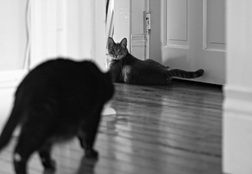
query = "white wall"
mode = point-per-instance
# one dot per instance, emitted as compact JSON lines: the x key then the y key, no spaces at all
{"x":13,"y":40}
{"x":122,"y":21}
{"x":237,"y":121}
{"x":12,"y":34}
{"x":73,"y":29}
{"x":85,"y":30}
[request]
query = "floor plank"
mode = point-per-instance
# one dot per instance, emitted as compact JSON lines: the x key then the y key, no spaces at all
{"x":172,"y":129}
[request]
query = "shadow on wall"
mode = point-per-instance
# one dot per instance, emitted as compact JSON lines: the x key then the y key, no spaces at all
{"x":177,"y":62}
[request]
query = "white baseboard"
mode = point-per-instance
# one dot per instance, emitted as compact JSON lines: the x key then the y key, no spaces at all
{"x":238,"y":99}
{"x":11,"y":78}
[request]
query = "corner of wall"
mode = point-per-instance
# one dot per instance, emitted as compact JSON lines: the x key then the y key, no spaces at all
{"x":237,"y":121}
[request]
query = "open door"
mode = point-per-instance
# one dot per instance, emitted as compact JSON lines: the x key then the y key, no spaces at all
{"x":193,"y":37}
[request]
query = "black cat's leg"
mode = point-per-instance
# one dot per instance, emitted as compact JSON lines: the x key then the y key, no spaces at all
{"x":20,"y":159}
{"x":45,"y":156}
{"x":25,"y":147}
{"x":82,"y":138}
{"x":33,"y":135}
{"x":88,"y":137}
{"x":87,"y":142}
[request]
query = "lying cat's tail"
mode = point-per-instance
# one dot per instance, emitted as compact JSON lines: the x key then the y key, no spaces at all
{"x":185,"y":74}
{"x":9,"y":127}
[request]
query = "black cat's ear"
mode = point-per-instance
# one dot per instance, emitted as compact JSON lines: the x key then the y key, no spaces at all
{"x":110,"y":42}
{"x":124,"y":42}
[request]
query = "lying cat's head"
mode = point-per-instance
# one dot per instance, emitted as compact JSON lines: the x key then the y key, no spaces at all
{"x":117,"y":50}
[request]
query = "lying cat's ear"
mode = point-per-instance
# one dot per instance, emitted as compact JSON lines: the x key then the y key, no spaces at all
{"x":124,"y":42}
{"x":110,"y":42}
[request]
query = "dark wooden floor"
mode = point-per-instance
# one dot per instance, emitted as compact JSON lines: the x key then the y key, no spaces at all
{"x":157,"y":130}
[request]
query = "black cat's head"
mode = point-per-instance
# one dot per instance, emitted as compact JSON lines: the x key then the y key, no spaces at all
{"x":117,"y":50}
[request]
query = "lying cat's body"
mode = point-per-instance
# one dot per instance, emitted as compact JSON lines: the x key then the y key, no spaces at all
{"x":56,"y":101}
{"x":128,"y":69}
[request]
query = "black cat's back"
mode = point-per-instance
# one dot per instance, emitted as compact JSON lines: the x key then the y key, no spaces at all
{"x":62,"y":86}
{"x":58,"y":100}
{"x":66,"y":90}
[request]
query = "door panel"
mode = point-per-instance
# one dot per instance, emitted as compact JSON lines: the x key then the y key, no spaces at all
{"x":193,"y":37}
{"x":177,"y":21}
{"x":214,"y":24}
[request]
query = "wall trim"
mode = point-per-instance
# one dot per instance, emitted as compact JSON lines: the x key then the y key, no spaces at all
{"x":238,"y":99}
{"x":139,"y":45}
{"x":138,"y":40}
{"x":11,"y":78}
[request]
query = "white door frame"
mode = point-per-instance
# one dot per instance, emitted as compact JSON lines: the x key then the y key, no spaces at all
{"x":129,"y":22}
{"x":139,"y":31}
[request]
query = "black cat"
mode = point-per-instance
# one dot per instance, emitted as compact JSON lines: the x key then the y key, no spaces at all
{"x":56,"y":101}
{"x":128,"y":69}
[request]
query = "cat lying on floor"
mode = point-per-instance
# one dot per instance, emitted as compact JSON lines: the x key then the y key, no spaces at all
{"x":128,"y":69}
{"x":56,"y":101}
